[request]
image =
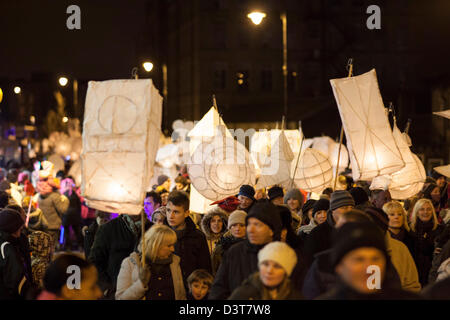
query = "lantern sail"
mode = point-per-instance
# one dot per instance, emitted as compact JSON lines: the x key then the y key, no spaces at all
{"x":444,"y":170}
{"x":218,"y":168}
{"x":122,"y":125}
{"x":276,"y":168}
{"x":370,"y":142}
{"x":445,"y":113}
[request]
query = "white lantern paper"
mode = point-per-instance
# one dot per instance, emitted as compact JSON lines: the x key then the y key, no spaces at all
{"x":122,"y":124}
{"x":314,"y":172}
{"x":413,"y":172}
{"x":444,"y":170}
{"x":197,"y":202}
{"x":329,"y":147}
{"x":445,"y":113}
{"x":370,"y":142}
{"x":167,"y":156}
{"x":220,"y":167}
{"x":58,"y":163}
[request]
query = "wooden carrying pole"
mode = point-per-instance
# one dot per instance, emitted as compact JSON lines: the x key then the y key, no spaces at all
{"x":143,"y":237}
{"x":350,"y":73}
{"x":299,"y":153}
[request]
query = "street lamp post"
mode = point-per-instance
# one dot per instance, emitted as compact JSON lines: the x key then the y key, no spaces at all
{"x":63,"y":81}
{"x":257,"y":17}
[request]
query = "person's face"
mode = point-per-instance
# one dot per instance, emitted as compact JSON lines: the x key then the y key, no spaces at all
{"x":310,"y":213}
{"x":353,"y":268}
{"x":435,"y":194}
{"x":158,"y":219}
{"x":395,"y":219}
{"x":150,"y":205}
{"x":244,"y":201}
{"x":278,"y":201}
{"x":425,"y":212}
{"x":164,"y":198}
{"x":179,"y":186}
{"x":176,"y":215}
{"x":258,"y":232}
{"x":89,"y":289}
{"x":216,"y":224}
{"x":199,"y":290}
{"x":238,"y":230}
{"x":293,"y":204}
{"x":440,"y":182}
{"x":166,"y":184}
{"x":337,"y":213}
{"x":166,"y":249}
{"x":382,"y":198}
{"x":321,"y":216}
{"x":271,"y":273}
{"x":259,"y":194}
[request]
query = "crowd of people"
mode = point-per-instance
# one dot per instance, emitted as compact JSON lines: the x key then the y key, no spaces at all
{"x":267,"y":244}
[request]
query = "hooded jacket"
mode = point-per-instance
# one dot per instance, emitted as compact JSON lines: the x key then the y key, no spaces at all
{"x":212,"y":238}
{"x":225,"y":242}
{"x":53,"y":206}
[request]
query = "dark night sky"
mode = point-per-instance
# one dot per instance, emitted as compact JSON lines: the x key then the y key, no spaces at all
{"x":34,"y":38}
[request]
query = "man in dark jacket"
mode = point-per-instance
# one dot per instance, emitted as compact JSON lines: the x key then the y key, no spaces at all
{"x":241,"y":260}
{"x":320,"y":237}
{"x":101,"y":217}
{"x":191,"y":245}
{"x":15,"y":277}
{"x":115,"y":241}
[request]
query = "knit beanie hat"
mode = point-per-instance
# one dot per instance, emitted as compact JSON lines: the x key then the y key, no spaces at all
{"x":308,"y":205}
{"x":162,"y":178}
{"x":237,"y":216}
{"x":341,"y":198}
{"x":10,"y":220}
{"x":275,"y":192}
{"x":281,"y":253}
{"x":294,"y":194}
{"x":321,"y":204}
{"x":354,"y":235}
{"x":247,"y":191}
{"x":267,"y":213}
{"x":379,"y":217}
{"x":359,"y":195}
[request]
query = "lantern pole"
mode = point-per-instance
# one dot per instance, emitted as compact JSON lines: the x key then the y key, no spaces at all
{"x":299,"y":153}
{"x":350,"y":72}
{"x":283,"y":123}
{"x":143,"y":237}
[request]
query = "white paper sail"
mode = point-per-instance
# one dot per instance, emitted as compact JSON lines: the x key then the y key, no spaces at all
{"x":314,"y":172}
{"x":445,"y":113}
{"x":413,"y":172}
{"x":122,"y":125}
{"x":197,"y":202}
{"x":276,"y":169}
{"x":370,"y":142}
{"x":220,"y":167}
{"x":444,"y":170}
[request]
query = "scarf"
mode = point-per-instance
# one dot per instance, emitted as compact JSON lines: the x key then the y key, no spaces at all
{"x":284,"y":288}
{"x":133,"y":226}
{"x":424,"y":228}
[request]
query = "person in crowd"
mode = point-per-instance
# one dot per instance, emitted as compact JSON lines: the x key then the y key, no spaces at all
{"x":294,"y":200}
{"x":276,"y":195}
{"x":41,"y":245}
{"x":433,"y":193}
{"x":199,"y":283}
{"x":260,"y":194}
{"x":152,"y":202}
{"x":318,"y":216}
{"x":88,"y":215}
{"x":441,"y":182}
{"x":398,"y":224}
{"x":240,"y":261}
{"x":114,"y":241}
{"x":361,"y":198}
{"x":159,"y":215}
{"x":56,"y":280}
{"x":326,"y":193}
{"x":191,"y":246}
{"x":246,"y":197}
{"x":14,"y":189}
{"x":236,"y":233}
{"x":164,"y":194}
{"x":4,"y":199}
{"x":319,"y":238}
{"x":439,"y":290}
{"x":360,"y":259}
{"x":160,"y":278}
{"x":16,"y":278}
{"x":71,"y":219}
{"x":214,"y":225}
{"x":379,"y":197}
{"x":164,"y":182}
{"x":438,"y":260}
{"x":425,"y":229}
{"x":229,"y":204}
{"x":182,"y":184}
{"x":276,"y":261}
{"x":101,"y":217}
{"x":288,"y":234}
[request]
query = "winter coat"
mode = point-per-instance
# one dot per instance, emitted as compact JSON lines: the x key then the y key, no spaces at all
{"x":225,"y":242}
{"x":253,"y":289}
{"x":130,"y":287}
{"x":53,"y":205}
{"x":319,"y":239}
{"x":307,"y":229}
{"x":424,"y":245}
{"x":212,"y":238}
{"x":437,"y":261}
{"x":73,"y":213}
{"x":192,"y":249}
{"x":113,"y":242}
{"x":438,"y":291}
{"x":15,"y":276}
{"x":405,"y":237}
{"x":89,"y":236}
{"x":41,"y":244}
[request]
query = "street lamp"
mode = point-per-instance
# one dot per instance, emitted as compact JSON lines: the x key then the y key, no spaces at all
{"x":148,"y":66}
{"x":257,"y":18}
{"x":63,"y":81}
{"x":17,"y":90}
{"x":1,"y":95}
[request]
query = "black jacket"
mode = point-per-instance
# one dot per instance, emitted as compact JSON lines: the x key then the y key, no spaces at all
{"x":73,"y":214}
{"x":438,"y":291}
{"x":319,"y":239}
{"x":225,"y":242}
{"x":192,"y":249}
{"x":113,"y":242}
{"x":438,"y":259}
{"x":89,"y":237}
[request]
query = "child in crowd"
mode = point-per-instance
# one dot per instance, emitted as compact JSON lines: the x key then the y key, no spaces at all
{"x":199,"y":283}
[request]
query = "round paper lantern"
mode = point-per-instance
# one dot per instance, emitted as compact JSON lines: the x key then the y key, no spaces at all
{"x":220,"y":167}
{"x":58,"y":163}
{"x":314,"y":172}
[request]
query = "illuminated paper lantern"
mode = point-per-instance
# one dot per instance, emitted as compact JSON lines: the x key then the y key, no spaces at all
{"x":329,"y":147}
{"x":444,"y":170}
{"x":445,"y":113}
{"x":197,"y":202}
{"x":122,"y":126}
{"x":167,"y":156}
{"x":220,"y":167}
{"x":57,"y":162}
{"x":371,"y":145}
{"x":314,"y":172}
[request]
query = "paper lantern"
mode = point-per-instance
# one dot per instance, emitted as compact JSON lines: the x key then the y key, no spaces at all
{"x":197,"y":202}
{"x":444,"y":170}
{"x":314,"y":172}
{"x":220,"y":167}
{"x":445,"y":113}
{"x":122,"y":124}
{"x":329,"y":147}
{"x":58,"y":163}
{"x":276,"y":170}
{"x":414,"y":171}
{"x":371,"y":145}
{"x":167,"y":156}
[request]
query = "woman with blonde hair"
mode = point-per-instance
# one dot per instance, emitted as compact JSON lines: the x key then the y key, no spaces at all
{"x":398,"y":224}
{"x":424,"y":229}
{"x":161,"y":278}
